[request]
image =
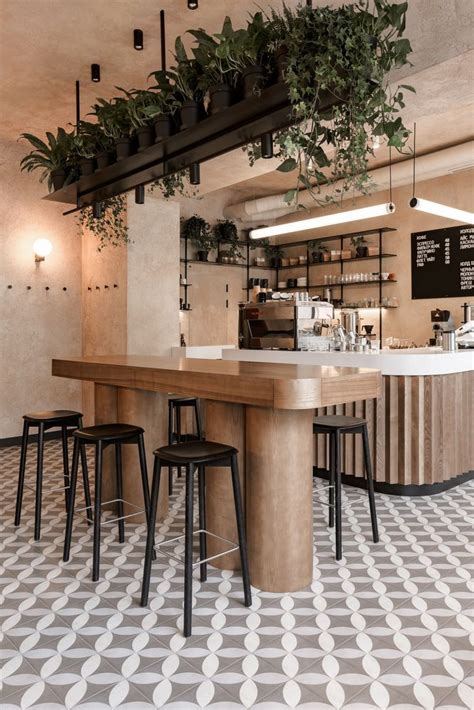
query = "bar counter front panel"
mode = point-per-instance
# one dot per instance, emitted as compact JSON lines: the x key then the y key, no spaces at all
{"x":266,"y":411}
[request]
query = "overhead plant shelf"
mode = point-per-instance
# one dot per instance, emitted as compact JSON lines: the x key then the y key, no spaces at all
{"x":238,"y":125}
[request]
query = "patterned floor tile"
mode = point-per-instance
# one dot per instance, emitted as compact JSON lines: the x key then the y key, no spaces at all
{"x":387,"y":628}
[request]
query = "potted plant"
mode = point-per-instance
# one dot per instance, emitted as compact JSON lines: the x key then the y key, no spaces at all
{"x":319,"y":251}
{"x":273,"y":253}
{"x":175,"y":91}
{"x":215,"y":56}
{"x":360,"y":244}
{"x":142,"y":105}
{"x":114,"y":119}
{"x":198,"y":231}
{"x":54,"y":157}
{"x":91,"y":145}
{"x":279,"y":28}
{"x":186,"y":76}
{"x":225,"y":232}
{"x":249,"y":53}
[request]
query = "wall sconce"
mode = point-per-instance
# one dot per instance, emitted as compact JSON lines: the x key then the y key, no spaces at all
{"x":42,"y":248}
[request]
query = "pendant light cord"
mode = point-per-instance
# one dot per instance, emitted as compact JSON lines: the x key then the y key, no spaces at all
{"x":390,"y":173}
{"x":414,"y":158}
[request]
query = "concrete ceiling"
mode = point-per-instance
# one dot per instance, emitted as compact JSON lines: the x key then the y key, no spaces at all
{"x":45,"y":45}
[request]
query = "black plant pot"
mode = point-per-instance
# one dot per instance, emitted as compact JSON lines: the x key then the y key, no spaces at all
{"x":220,"y":97}
{"x":163,"y":127}
{"x":102,"y":160}
{"x":202,"y":255}
{"x":253,"y":79}
{"x":362,"y":251}
{"x":281,"y":61}
{"x":87,"y":166}
{"x":317,"y":257}
{"x":189,"y":114}
{"x":58,"y":178}
{"x":145,"y":137}
{"x":123,"y":148}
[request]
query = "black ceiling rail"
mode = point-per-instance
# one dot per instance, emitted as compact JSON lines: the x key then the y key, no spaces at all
{"x":232,"y":128}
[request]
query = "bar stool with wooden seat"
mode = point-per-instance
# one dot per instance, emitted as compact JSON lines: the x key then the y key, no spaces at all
{"x":175,"y":433}
{"x":195,"y":455}
{"x":66,"y":420}
{"x":101,"y":436}
{"x":335,"y":426}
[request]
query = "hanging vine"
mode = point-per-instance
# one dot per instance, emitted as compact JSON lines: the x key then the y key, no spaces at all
{"x":111,"y":228}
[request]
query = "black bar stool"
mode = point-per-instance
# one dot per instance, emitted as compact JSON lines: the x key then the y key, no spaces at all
{"x":65,"y":420}
{"x":102,"y":436}
{"x":175,"y":435}
{"x":335,"y":425}
{"x":192,"y":455}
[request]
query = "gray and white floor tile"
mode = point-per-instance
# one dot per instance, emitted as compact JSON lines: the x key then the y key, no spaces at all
{"x":388,"y":628}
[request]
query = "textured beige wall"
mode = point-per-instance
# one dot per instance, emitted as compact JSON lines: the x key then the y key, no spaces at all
{"x":153,"y":277}
{"x":36,"y":325}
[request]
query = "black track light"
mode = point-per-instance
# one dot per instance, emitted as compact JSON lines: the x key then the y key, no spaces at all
{"x":195,"y":174}
{"x":192,"y":4}
{"x":95,"y":72}
{"x":266,"y":144}
{"x":97,"y":210}
{"x":138,"y":39}
{"x":140,"y":195}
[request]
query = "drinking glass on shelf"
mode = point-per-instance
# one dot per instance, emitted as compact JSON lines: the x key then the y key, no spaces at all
{"x":375,"y":346}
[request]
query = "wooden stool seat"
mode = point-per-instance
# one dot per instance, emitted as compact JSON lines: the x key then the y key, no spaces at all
{"x":338,"y":421}
{"x":195,"y":451}
{"x":53,"y":416}
{"x":108,"y":433}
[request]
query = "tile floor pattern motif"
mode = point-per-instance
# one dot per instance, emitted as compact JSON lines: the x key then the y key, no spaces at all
{"x":387,"y":628}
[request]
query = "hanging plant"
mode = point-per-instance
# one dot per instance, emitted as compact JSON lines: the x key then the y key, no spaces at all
{"x":348,"y":52}
{"x":110,"y":229}
{"x":176,"y":183}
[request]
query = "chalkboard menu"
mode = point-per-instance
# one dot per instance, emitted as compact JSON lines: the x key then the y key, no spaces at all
{"x":442,"y":263}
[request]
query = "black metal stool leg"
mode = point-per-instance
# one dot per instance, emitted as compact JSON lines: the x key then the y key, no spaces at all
{"x":337,"y":473}
{"x":21,"y":473}
{"x":332,"y":478}
{"x":39,"y":481}
{"x":188,"y":552}
{"x":145,"y":484}
{"x":67,"y":482}
{"x":118,"y":478}
{"x":85,"y":480}
{"x":97,"y":512}
{"x":197,"y":413}
{"x":370,"y":484}
{"x":202,"y":521}
{"x":239,"y":514}
{"x":150,"y":540}
{"x":72,"y":498}
{"x":178,"y":432}
{"x":170,"y":441}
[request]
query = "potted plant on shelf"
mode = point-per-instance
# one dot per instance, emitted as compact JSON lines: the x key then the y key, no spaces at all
{"x":215,"y":56}
{"x":166,"y":104}
{"x":91,"y":146}
{"x":199,"y":232}
{"x":360,"y":245}
{"x":250,"y":55}
{"x":114,"y":119}
{"x":54,"y":157}
{"x":142,"y":105}
{"x":273,"y":253}
{"x":319,"y":252}
{"x":186,"y":76}
{"x":225,"y":232}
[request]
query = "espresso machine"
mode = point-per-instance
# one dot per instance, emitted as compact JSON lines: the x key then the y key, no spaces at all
{"x":443,"y":328}
{"x":284,"y":325}
{"x":465,"y":333}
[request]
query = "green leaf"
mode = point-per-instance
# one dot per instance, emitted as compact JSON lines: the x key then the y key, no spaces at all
{"x":289,"y":197}
{"x":287,"y":166}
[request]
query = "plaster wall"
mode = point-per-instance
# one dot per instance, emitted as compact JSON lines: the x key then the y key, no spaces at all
{"x":36,"y":324}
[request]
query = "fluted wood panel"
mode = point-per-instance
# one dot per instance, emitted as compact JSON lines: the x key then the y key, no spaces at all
{"x":421,"y":430}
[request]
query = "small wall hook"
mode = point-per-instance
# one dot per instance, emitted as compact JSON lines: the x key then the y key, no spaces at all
{"x":115,"y":285}
{"x":89,"y":288}
{"x":46,"y":288}
{"x":28,"y":288}
{"x":9,"y":286}
{"x":106,"y":286}
{"x":97,"y":288}
{"x":64,"y":288}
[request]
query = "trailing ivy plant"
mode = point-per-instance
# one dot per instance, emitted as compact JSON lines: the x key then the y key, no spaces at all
{"x":346,"y":53}
{"x":111,"y":228}
{"x":176,"y":183}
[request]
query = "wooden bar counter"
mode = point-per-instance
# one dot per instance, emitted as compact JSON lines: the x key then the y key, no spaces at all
{"x":263,"y":409}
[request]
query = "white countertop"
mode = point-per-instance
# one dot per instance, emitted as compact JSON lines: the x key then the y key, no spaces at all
{"x":419,"y":361}
{"x":207,"y":352}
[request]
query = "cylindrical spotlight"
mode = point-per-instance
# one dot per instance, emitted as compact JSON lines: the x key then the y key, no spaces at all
{"x":95,"y":72}
{"x":97,"y":210}
{"x":138,"y":39}
{"x":195,"y":174}
{"x":266,"y":143}
{"x":192,"y":4}
{"x":140,"y":195}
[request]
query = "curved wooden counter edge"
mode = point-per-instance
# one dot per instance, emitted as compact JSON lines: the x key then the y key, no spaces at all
{"x":279,"y":386}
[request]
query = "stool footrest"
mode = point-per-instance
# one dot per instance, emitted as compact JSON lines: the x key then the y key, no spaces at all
{"x":196,"y":532}
{"x":47,"y":490}
{"x":139,"y":511}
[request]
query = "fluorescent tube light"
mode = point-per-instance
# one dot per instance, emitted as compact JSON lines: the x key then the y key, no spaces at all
{"x":442,"y":210}
{"x":326,"y":221}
